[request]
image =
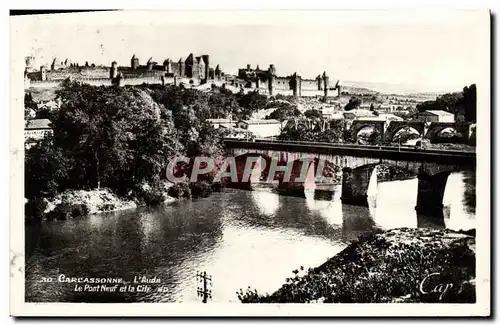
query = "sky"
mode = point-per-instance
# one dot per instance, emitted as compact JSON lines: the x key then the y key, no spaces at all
{"x":438,"y":54}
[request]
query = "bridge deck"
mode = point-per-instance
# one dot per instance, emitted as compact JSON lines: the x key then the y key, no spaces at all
{"x":382,"y":152}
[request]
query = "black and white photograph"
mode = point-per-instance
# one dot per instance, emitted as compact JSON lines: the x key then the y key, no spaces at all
{"x":235,"y":158}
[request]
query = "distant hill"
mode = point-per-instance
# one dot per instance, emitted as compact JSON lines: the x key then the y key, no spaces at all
{"x":358,"y":90}
{"x":399,"y":89}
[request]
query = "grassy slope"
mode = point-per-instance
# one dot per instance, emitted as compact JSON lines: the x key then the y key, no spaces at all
{"x":387,"y":267}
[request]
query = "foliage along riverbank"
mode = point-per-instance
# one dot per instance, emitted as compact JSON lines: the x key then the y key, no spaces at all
{"x":75,"y":203}
{"x":399,"y":265}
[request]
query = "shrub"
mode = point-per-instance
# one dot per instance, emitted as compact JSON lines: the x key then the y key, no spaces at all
{"x":200,"y":189}
{"x":78,"y":210}
{"x":107,"y":207}
{"x":152,"y":196}
{"x":217,"y":187}
{"x":60,"y":212}
{"x":180,"y":190}
{"x":34,"y":209}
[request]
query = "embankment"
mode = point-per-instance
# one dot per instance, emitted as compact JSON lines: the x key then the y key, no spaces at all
{"x":76,"y":203}
{"x":399,"y":265}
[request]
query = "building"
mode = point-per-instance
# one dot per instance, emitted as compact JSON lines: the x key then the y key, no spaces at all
{"x":36,"y":130}
{"x":218,"y":123}
{"x":261,"y":128}
{"x":358,"y":113}
{"x":381,"y":117}
{"x":437,"y":116}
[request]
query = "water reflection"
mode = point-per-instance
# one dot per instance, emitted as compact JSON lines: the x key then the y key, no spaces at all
{"x":266,"y":201}
{"x":242,"y":238}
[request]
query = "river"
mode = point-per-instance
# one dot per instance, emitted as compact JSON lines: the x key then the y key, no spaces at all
{"x":241,"y":238}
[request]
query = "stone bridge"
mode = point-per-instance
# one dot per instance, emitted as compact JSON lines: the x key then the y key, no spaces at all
{"x":306,"y":163}
{"x":428,"y":131}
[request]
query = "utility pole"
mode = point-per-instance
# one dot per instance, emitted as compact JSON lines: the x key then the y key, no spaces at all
{"x":206,"y":281}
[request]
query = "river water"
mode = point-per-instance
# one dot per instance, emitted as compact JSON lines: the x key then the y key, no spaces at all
{"x":241,"y":238}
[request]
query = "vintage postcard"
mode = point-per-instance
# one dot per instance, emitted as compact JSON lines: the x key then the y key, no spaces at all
{"x":250,"y":163}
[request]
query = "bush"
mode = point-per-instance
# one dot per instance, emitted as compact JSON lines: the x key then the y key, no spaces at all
{"x":180,"y":190}
{"x":60,"y":212}
{"x":200,"y":189}
{"x":217,"y":187}
{"x":34,"y":209}
{"x":152,"y":196}
{"x":78,"y":210}
{"x":107,"y":207}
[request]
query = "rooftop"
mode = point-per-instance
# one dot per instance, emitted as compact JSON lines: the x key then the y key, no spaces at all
{"x":438,"y":112}
{"x":261,"y":121}
{"x":219,"y":120}
{"x":360,"y":113}
{"x":38,"y":124}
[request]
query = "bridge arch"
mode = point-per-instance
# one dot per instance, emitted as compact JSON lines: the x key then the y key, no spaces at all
{"x":396,"y":126}
{"x":405,"y":134}
{"x":250,"y":167}
{"x":436,"y":128}
{"x":449,"y":134}
{"x":358,"y":125}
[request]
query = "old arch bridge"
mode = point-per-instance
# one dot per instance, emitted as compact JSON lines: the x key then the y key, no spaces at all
{"x":357,"y":164}
{"x":429,"y":131}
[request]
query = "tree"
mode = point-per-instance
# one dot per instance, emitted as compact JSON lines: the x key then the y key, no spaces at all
{"x":46,"y":169}
{"x":251,"y":102}
{"x":113,"y":136}
{"x":353,"y":103}
{"x":470,"y":103}
{"x":284,"y":113}
{"x":459,"y":103}
{"x":29,"y":105}
{"x":313,"y":114}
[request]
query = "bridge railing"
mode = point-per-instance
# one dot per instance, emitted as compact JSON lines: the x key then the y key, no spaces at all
{"x":401,"y":148}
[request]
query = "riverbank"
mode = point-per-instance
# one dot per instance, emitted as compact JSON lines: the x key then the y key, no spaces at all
{"x":398,"y":265}
{"x":76,"y":203}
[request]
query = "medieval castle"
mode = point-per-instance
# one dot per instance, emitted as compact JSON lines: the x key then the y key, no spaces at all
{"x":194,"y":70}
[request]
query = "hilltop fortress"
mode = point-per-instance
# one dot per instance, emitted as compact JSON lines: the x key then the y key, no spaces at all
{"x":194,"y":70}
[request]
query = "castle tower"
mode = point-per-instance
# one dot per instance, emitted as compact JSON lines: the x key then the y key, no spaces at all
{"x":217,"y":72}
{"x":206,"y":59}
{"x":273,"y":69}
{"x":248,"y":67}
{"x":182,"y":68}
{"x":270,"y":81}
{"x":295,"y":85}
{"x":201,"y":70}
{"x":113,"y":72}
{"x":134,"y":62}
{"x":339,"y":88}
{"x":53,"y":66}
{"x":43,"y":70}
{"x":326,"y":83}
{"x":150,"y":64}
{"x":30,"y":63}
{"x":189,"y":66}
{"x":319,"y":80}
{"x":117,"y":81}
{"x":167,"y":66}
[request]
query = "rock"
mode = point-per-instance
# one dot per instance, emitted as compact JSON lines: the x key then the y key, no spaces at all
{"x":73,"y":203}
